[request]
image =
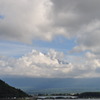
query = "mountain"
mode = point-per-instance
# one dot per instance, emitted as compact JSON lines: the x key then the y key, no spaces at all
{"x":52,"y":85}
{"x":9,"y":91}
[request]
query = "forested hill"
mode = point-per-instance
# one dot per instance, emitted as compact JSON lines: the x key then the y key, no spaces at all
{"x":9,"y":91}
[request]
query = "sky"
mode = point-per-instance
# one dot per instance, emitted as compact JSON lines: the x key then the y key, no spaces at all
{"x":50,"y":38}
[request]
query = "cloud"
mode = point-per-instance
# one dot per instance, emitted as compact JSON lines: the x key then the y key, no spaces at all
{"x":26,"y":20}
{"x":52,"y":64}
{"x":81,"y":20}
{"x":72,"y":15}
{"x":35,"y":64}
{"x":89,"y":39}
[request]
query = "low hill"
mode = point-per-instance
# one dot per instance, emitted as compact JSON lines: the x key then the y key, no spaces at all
{"x":9,"y":91}
{"x":89,"y":95}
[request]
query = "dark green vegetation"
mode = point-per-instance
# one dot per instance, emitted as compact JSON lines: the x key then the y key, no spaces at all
{"x":89,"y":95}
{"x":7,"y":91}
{"x":84,"y":95}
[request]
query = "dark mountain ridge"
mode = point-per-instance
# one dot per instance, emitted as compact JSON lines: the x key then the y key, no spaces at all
{"x":9,"y":91}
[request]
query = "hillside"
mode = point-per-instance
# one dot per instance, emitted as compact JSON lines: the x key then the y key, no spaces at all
{"x":8,"y":91}
{"x":89,"y":95}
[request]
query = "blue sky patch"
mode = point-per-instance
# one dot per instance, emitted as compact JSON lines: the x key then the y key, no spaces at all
{"x":2,"y":17}
{"x":59,"y":43}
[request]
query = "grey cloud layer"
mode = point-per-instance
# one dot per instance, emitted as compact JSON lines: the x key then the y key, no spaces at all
{"x":80,"y":19}
{"x":26,"y":19}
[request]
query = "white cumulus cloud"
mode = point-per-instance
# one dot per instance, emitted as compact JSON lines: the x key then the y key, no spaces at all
{"x":35,"y":64}
{"x":50,"y":65}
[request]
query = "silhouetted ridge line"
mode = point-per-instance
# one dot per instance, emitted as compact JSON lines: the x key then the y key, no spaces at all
{"x":7,"y":91}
